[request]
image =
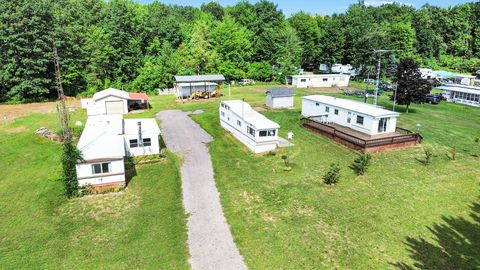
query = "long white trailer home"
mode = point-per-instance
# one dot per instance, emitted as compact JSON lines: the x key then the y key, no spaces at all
{"x":362,"y":117}
{"x":458,"y":93}
{"x":253,"y":129}
{"x":320,"y":80}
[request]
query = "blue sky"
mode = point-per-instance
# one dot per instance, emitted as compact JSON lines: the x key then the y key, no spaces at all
{"x":316,"y":6}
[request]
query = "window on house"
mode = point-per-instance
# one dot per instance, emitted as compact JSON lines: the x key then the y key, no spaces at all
{"x":327,"y":109}
{"x":317,"y":104}
{"x":263,"y":133}
{"x":251,"y":131}
{"x":133,"y":143}
{"x":147,"y":142}
{"x":325,"y":79}
{"x":99,"y":168}
{"x":223,"y":114}
{"x":239,"y":123}
{"x":336,"y":111}
{"x":360,"y":119}
{"x":271,"y":133}
{"x":303,"y":80}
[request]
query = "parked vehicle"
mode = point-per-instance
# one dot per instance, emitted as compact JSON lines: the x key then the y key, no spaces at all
{"x":432,"y":99}
{"x":435,"y":82}
{"x":246,"y":82}
{"x":386,"y":86}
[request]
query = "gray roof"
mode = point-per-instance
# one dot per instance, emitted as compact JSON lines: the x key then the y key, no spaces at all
{"x":281,"y":92}
{"x":200,"y":78}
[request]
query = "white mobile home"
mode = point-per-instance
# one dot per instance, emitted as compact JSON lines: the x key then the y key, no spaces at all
{"x":358,"y":116}
{"x":114,"y":101}
{"x":280,"y":97}
{"x":320,"y":80}
{"x":106,"y":140}
{"x":468,"y":95}
{"x":253,"y":129}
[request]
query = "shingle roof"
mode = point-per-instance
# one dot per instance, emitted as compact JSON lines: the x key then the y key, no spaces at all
{"x":281,"y":92}
{"x":200,"y":78}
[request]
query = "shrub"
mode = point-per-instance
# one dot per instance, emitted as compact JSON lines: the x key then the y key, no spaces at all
{"x":69,"y":172}
{"x":333,"y":174}
{"x":428,"y":156}
{"x":453,"y":153}
{"x":360,"y":163}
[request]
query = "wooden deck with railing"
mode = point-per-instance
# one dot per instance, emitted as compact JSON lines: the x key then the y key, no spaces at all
{"x":361,"y":141}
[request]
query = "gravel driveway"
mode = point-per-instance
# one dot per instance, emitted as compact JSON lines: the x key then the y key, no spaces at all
{"x":209,"y":239}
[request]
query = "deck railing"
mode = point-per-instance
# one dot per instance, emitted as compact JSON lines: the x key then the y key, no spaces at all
{"x":404,"y":135}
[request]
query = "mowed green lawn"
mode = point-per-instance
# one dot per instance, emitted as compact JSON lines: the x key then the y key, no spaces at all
{"x":401,"y":214}
{"x":143,"y":227}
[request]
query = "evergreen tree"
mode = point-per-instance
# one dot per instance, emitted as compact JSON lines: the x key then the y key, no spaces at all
{"x":70,"y":157}
{"x":411,"y":87}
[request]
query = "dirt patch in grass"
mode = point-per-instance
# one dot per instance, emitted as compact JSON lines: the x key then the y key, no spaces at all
{"x":11,"y":112}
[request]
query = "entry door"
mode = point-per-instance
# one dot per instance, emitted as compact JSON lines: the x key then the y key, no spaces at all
{"x":382,"y":125}
{"x":114,"y":107}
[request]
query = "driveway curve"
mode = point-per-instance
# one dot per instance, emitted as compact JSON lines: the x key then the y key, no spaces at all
{"x":209,"y":239}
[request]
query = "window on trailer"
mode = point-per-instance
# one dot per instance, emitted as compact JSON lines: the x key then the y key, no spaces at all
{"x":147,"y":142}
{"x":327,"y":109}
{"x":336,"y":111}
{"x":133,"y":143}
{"x":360,"y":119}
{"x":99,"y":168}
{"x":251,"y":131}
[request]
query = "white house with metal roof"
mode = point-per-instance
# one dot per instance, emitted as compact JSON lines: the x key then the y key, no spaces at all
{"x":319,"y":80}
{"x":464,"y":94}
{"x":106,"y":140}
{"x":280,"y":97}
{"x":359,"y":116}
{"x":114,"y":101}
{"x":251,"y":128}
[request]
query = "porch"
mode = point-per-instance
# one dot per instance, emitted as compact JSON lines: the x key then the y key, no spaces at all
{"x":360,"y":141}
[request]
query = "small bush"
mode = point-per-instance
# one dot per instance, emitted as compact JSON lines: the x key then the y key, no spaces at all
{"x":453,"y":153}
{"x":360,"y":163}
{"x":333,"y":175}
{"x":428,"y":156}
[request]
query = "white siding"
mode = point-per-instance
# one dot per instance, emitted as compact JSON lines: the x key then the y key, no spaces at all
{"x":308,"y":81}
{"x":369,"y":126}
{"x":86,"y":177}
{"x":99,"y":107}
{"x":154,"y":149}
{"x":279,"y":102}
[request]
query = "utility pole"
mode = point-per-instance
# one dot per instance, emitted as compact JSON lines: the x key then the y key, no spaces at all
{"x":61,"y":107}
{"x":379,"y":66}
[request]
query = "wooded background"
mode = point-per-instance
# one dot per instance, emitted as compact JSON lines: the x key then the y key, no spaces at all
{"x":139,"y":47}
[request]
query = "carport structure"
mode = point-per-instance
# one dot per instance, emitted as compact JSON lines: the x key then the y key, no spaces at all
{"x":185,"y":86}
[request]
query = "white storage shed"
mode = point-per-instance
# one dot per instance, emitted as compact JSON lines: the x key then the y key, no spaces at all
{"x":280,"y":97}
{"x":253,"y":129}
{"x":362,"y":117}
{"x":320,"y":80}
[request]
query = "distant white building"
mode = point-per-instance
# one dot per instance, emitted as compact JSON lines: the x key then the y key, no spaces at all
{"x":114,"y":101}
{"x":280,"y":97}
{"x":464,"y":94}
{"x":106,"y":140}
{"x":319,"y":80}
{"x":362,"y":117}
{"x":253,"y":129}
{"x":427,"y":73}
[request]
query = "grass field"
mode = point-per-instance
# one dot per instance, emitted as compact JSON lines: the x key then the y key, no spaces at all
{"x":400,"y":214}
{"x":141,"y":228}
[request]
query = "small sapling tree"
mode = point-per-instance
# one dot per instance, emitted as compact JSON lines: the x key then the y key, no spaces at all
{"x":360,"y":163}
{"x":428,"y":156}
{"x":333,"y":174}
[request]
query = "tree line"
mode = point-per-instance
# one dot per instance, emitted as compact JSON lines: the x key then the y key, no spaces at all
{"x":139,"y":47}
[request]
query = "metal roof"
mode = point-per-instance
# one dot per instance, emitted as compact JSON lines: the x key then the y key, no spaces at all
{"x":281,"y":92}
{"x":460,"y":88}
{"x":352,"y":105}
{"x":249,"y":115}
{"x":200,"y":78}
